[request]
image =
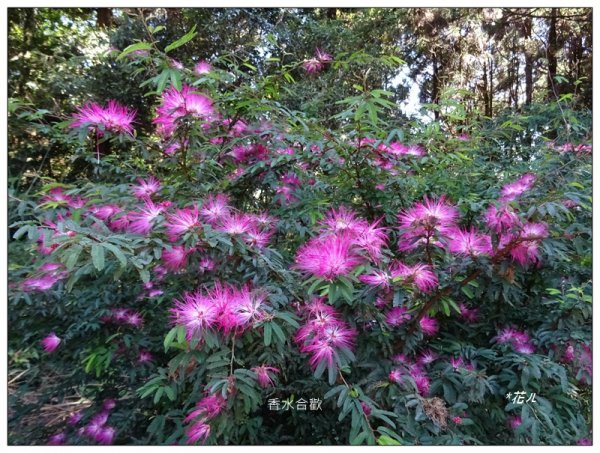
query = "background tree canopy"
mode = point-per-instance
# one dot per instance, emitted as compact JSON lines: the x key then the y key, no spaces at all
{"x":462,"y":63}
{"x":387,"y":210}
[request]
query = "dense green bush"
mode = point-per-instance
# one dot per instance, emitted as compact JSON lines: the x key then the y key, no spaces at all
{"x":232,"y":255}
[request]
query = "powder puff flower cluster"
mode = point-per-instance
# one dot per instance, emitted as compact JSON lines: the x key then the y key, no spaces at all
{"x":317,"y":63}
{"x":114,"y":118}
{"x":46,"y":277}
{"x":426,"y":223}
{"x":124,"y":316}
{"x":418,"y":275}
{"x":520,"y":341}
{"x":344,"y":242}
{"x":50,"y":342}
{"x":206,"y":409}
{"x":223,"y":307}
{"x":325,"y":336}
{"x":96,"y":429}
{"x":177,"y":104}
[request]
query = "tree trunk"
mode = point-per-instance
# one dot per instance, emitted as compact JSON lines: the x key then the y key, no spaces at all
{"x":435,"y":95}
{"x":104,"y":17}
{"x":552,"y":63}
{"x":528,"y":65}
{"x":490,"y":107}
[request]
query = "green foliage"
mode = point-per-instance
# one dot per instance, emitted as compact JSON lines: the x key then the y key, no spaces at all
{"x":339,"y":125}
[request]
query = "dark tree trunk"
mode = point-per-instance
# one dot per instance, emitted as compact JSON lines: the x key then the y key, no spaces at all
{"x":485,"y":90}
{"x":489,"y":79}
{"x":552,"y":48}
{"x":435,"y":95}
{"x":104,"y":17}
{"x":528,"y":65}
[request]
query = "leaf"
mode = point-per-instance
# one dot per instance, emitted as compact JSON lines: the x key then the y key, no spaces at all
{"x":133,"y":48}
{"x":73,"y":257}
{"x":278,"y":332}
{"x":118,"y":254}
{"x":360,"y":438}
{"x":268,"y":332}
{"x":169,"y":338}
{"x":386,"y":440}
{"x":21,"y":231}
{"x":468,"y":292}
{"x":98,"y":256}
{"x":181,"y":41}
{"x":176,"y":80}
{"x":331,"y":371}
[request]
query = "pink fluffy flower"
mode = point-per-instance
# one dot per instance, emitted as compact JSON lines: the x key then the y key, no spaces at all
{"x":432,"y":213}
{"x":342,"y":219}
{"x":322,"y":56}
{"x":312,"y":66}
{"x":145,"y":357}
{"x":134,"y":319}
{"x":236,"y":224}
{"x":427,"y":357}
{"x":264,"y":375}
{"x":517,"y":188}
{"x":429,"y":325}
{"x":75,"y":418}
{"x":57,"y":195}
{"x":338,"y":335}
{"x":321,"y":352}
{"x":469,"y":242}
{"x":202,"y":67}
{"x":526,"y":250}
{"x":208,"y":407}
{"x":372,"y":239}
{"x":470,"y":315}
{"x":178,"y":103}
{"x":175,"y":258}
{"x":425,"y":221}
{"x":248,"y":305}
{"x":50,"y":342}
{"x":397,"y":316}
{"x":534,"y":231}
{"x":519,"y":340}
{"x":105,"y":435}
{"x":257,"y":238}
{"x":57,"y":439}
{"x":421,"y":275}
{"x":501,"y":220}
{"x":376,"y":278}
{"x":415,"y":150}
{"x":456,"y":362}
{"x":324,"y":335}
{"x":109,"y":404}
{"x":142,"y":221}
{"x":328,"y":257}
{"x":195,"y":312}
{"x":113,"y":118}
{"x":215,"y":208}
{"x":422,"y":381}
{"x":183,"y":221}
{"x":104,"y":212}
{"x":235,"y":129}
{"x":146,"y":188}
{"x":396,"y":376}
{"x":514,"y":421}
{"x":42,"y":283}
{"x":198,"y":430}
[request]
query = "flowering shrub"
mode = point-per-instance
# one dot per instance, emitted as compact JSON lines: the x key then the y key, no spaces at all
{"x":235,"y":254}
